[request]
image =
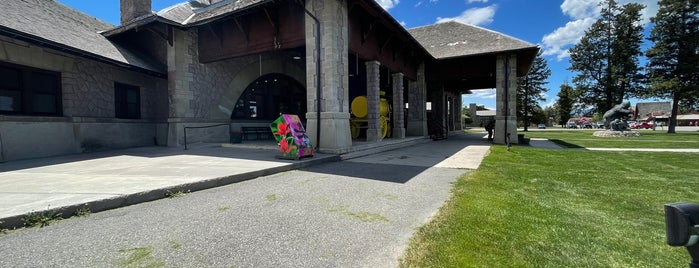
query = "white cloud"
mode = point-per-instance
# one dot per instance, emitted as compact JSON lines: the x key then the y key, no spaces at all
{"x":557,"y":42}
{"x":387,"y":4}
{"x":403,"y":23}
{"x":474,"y":16}
{"x":581,"y":9}
{"x":483,"y":93}
{"x":473,"y":1}
{"x":583,"y":14}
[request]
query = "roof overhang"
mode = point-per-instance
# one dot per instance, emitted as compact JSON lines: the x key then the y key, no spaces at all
{"x":32,"y":39}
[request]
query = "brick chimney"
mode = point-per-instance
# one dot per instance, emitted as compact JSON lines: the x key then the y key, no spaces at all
{"x":131,"y":9}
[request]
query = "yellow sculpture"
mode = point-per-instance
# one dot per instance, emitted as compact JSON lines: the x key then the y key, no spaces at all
{"x":359,"y":120}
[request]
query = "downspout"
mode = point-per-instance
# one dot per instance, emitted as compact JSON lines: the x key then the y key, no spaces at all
{"x":318,"y":78}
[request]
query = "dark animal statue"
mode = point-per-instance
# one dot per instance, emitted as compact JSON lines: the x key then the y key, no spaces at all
{"x":615,"y":118}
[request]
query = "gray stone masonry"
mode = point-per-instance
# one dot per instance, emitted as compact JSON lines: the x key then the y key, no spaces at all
{"x":131,"y":9}
{"x":335,"y":135}
{"x":373,"y":81}
{"x":417,"y":119}
{"x":88,"y":121}
{"x":398,"y":103}
{"x":506,"y":100}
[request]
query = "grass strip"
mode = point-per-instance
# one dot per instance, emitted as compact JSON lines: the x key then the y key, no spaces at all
{"x":559,"y":208}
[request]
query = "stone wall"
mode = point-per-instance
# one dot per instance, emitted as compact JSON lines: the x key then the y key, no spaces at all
{"x":88,"y":122}
{"x":204,"y":94}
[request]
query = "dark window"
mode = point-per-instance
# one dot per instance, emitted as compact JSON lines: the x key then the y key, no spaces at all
{"x":270,"y":96}
{"x":28,"y":91}
{"x":127,"y":101}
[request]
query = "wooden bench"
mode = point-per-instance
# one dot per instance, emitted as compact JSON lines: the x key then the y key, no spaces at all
{"x":259,"y":132}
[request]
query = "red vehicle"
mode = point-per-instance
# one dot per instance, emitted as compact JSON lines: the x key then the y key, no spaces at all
{"x":644,"y":125}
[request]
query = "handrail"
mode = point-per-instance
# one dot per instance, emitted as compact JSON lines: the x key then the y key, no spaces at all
{"x":218,"y":125}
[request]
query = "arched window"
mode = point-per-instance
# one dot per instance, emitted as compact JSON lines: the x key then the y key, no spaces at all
{"x":270,"y":96}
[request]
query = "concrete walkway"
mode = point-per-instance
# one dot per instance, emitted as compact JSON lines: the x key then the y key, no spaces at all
{"x":107,"y":180}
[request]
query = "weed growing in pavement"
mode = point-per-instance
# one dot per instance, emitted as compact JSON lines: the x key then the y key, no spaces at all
{"x":41,"y":219}
{"x":364,"y":216}
{"x":272,"y":197}
{"x":83,"y":211}
{"x":140,"y":257}
{"x":223,"y":209}
{"x":174,"y":244}
{"x":180,"y":193}
{"x":2,"y":230}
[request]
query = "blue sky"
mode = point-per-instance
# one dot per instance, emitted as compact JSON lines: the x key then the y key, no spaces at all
{"x":555,"y":25}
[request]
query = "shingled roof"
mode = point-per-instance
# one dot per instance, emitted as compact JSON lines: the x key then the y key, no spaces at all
{"x":57,"y":26}
{"x":453,"y":39}
{"x":189,"y":14}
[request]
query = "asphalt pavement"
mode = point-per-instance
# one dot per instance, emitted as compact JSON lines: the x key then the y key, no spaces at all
{"x":357,"y":212}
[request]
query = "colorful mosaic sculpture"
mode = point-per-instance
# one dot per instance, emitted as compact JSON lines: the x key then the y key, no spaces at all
{"x":289,"y":132}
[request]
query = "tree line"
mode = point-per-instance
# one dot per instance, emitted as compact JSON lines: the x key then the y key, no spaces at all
{"x":607,"y":67}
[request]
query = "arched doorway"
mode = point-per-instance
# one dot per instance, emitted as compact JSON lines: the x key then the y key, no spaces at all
{"x":270,"y":96}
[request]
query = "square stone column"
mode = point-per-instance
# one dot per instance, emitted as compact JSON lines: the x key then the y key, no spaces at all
{"x":180,"y":92}
{"x":458,"y":108}
{"x":506,"y":99}
{"x":398,"y":103}
{"x":373,"y":83}
{"x":417,"y":105}
{"x":334,"y":131}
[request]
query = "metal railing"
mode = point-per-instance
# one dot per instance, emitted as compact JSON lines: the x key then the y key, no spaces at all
{"x":218,"y":125}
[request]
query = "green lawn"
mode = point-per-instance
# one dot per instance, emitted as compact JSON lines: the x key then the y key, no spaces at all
{"x":561,"y":208}
{"x":648,"y":139}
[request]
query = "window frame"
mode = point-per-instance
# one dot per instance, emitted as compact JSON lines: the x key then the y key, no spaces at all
{"x":27,"y":78}
{"x":123,"y":109}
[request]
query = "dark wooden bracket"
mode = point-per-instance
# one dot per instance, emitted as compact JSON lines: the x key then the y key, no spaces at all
{"x":385,"y":44}
{"x":367,"y":29}
{"x":274,"y":21}
{"x":167,"y":35}
{"x":244,"y":30}
{"x":217,"y":31}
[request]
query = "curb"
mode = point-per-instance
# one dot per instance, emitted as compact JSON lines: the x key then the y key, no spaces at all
{"x":15,"y":222}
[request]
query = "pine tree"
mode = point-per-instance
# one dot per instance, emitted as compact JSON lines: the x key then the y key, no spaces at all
{"x":673,"y":61}
{"x":531,"y":89}
{"x":606,"y":58}
{"x":565,"y":103}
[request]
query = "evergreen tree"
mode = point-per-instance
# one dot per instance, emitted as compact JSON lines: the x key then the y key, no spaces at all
{"x":606,"y":58}
{"x":565,"y":103}
{"x":531,"y":89}
{"x":673,"y":61}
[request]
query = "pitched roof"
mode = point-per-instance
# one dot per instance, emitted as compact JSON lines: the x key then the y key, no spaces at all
{"x":222,"y":8}
{"x":60,"y":27}
{"x":453,"y":39}
{"x":644,"y":109}
{"x":188,"y":14}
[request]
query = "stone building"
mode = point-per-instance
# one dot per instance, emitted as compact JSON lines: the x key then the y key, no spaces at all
{"x":72,"y":83}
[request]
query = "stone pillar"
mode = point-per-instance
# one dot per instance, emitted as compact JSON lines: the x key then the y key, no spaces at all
{"x":439,"y":107}
{"x":373,"y":95}
{"x":335,"y":135}
{"x":398,"y":105}
{"x":458,"y":108}
{"x":506,"y":100}
{"x":180,"y":93}
{"x":417,"y":101}
{"x":473,"y":110}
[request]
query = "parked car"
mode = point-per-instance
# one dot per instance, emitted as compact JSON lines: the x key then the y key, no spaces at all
{"x":643,"y":125}
{"x":599,"y":125}
{"x":541,"y":126}
{"x":571,"y":125}
{"x":587,"y":125}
